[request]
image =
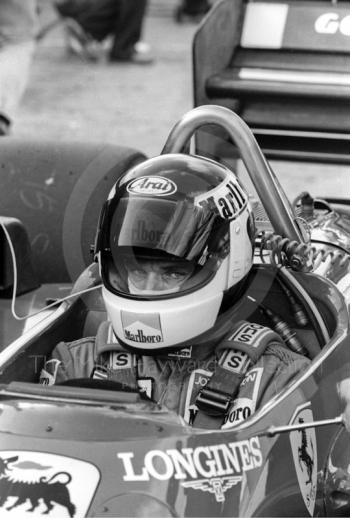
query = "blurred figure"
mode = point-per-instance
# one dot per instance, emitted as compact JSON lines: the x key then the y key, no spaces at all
{"x":194,"y":9}
{"x":90,"y":22}
{"x":18,"y":27}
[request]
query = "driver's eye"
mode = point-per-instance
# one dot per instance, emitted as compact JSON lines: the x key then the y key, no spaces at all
{"x":174,"y":276}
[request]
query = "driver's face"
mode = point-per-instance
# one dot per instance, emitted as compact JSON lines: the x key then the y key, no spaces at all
{"x":158,"y":275}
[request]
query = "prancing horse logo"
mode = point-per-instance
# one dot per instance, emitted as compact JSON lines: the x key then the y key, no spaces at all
{"x":304,"y":456}
{"x":304,"y":450}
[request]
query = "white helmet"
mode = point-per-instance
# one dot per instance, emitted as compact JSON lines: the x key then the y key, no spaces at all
{"x":175,"y":236}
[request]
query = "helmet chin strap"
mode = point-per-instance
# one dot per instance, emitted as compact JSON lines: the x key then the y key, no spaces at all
{"x":136,"y":291}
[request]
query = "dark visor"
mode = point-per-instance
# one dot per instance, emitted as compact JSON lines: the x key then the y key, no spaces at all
{"x":176,"y":227}
{"x":158,"y":229}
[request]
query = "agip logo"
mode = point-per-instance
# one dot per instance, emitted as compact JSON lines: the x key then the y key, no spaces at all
{"x":42,"y":484}
{"x":152,"y":186}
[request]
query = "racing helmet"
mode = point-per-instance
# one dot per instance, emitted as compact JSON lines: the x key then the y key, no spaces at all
{"x":174,"y":237}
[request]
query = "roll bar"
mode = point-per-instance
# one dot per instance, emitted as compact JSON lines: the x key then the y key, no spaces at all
{"x":271,"y":194}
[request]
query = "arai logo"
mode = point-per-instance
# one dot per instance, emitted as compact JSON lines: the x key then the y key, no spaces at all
{"x":152,"y":185}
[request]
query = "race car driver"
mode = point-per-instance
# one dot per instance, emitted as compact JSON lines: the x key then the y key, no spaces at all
{"x":175,"y":248}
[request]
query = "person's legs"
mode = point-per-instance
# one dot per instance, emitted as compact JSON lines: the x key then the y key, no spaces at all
{"x":96,"y":17}
{"x":87,"y":24}
{"x":15,"y":61}
{"x":127,"y":32}
{"x":195,"y":7}
{"x":5,"y":124}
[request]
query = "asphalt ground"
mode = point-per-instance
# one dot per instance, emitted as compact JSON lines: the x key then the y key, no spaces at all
{"x":136,"y":105}
{"x":71,"y":99}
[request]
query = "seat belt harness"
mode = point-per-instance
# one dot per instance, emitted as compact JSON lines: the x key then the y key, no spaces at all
{"x":236,"y":354}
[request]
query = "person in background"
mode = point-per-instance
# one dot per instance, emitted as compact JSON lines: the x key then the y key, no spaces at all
{"x":18,"y":28}
{"x":91,"y":23}
{"x":175,"y":249}
{"x":192,"y":9}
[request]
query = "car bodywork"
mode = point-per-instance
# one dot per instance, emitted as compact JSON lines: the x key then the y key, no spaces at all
{"x":283,"y":67}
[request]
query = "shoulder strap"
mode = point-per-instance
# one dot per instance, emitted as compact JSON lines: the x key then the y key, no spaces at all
{"x":251,"y":339}
{"x":238,"y":352}
{"x":112,"y":361}
{"x":106,"y":339}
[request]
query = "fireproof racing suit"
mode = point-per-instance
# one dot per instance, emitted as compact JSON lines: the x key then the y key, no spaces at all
{"x":252,"y":354}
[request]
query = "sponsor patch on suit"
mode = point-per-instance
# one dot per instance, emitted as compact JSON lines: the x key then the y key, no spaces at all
{"x":49,"y":372}
{"x":244,"y":407}
{"x":99,"y":373}
{"x":146,"y":385}
{"x":198,"y":379}
{"x":185,"y":352}
{"x":120,"y":360}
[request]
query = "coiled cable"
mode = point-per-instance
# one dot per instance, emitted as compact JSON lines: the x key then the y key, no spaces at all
{"x":285,"y":252}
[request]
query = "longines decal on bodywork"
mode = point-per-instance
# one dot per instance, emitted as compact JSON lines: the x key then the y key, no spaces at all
{"x":217,"y":486}
{"x":38,"y":484}
{"x":303,"y":444}
{"x":214,"y":468}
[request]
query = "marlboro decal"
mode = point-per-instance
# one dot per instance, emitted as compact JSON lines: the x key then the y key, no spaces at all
{"x":228,"y":199}
{"x":142,"y":328}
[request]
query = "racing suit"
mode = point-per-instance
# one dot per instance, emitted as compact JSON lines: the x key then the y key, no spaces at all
{"x":174,"y":379}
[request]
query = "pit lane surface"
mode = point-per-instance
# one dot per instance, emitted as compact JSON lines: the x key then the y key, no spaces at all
{"x":132,"y":105}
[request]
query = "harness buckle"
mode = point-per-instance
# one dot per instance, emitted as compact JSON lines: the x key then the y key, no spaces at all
{"x":213,"y":402}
